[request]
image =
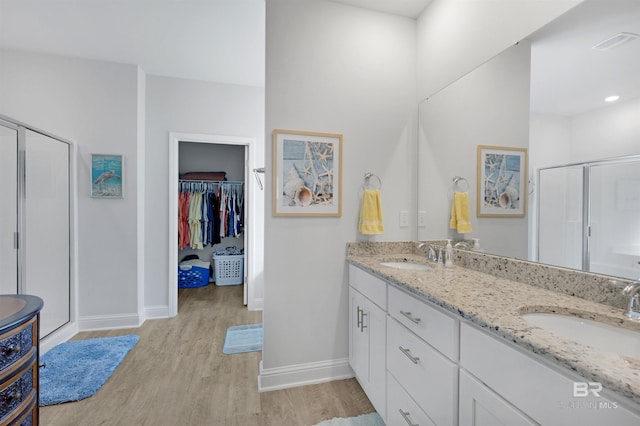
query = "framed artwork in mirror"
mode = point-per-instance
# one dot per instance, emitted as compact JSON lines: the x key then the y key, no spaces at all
{"x":107,"y":176}
{"x":502,"y":179}
{"x":307,"y":173}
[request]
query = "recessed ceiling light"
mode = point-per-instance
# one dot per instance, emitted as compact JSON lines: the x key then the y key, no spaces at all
{"x":611,"y":98}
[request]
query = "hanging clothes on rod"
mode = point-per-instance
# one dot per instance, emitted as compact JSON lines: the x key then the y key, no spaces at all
{"x":209,"y":211}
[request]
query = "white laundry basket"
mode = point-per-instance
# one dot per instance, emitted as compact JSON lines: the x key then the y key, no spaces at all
{"x":228,"y":269}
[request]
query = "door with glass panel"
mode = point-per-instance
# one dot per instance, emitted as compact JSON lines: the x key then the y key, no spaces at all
{"x":46,"y":230}
{"x":614,"y":211}
{"x":560,"y":216}
{"x":8,"y":210}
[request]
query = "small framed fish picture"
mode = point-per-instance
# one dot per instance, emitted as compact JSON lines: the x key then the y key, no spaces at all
{"x":107,"y":176}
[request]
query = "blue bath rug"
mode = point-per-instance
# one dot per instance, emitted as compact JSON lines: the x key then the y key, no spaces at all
{"x":372,"y":419}
{"x":243,"y":338}
{"x":75,"y":370}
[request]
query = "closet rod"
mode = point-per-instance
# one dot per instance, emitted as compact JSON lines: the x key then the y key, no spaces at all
{"x":210,"y":181}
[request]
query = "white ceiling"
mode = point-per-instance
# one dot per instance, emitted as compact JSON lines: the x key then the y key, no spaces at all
{"x":408,"y":8}
{"x":224,"y":41}
{"x":568,"y":76}
{"x":210,"y":40}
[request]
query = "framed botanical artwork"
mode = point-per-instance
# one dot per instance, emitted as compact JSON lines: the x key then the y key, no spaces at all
{"x":307,"y":173}
{"x":502,"y":179}
{"x":107,"y":176}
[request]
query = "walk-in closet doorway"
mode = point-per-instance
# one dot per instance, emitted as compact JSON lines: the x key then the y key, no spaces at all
{"x":251,"y":239}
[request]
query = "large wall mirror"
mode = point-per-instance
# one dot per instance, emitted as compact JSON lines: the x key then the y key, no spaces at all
{"x":546,"y":94}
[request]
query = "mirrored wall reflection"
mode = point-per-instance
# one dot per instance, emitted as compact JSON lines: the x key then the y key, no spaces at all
{"x":489,"y":106}
{"x":560,"y":216}
{"x":553,"y":120}
{"x":589,"y":217}
{"x":614,"y":215}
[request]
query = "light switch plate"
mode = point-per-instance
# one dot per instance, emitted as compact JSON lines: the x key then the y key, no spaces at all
{"x":422,"y":219}
{"x":404,"y":219}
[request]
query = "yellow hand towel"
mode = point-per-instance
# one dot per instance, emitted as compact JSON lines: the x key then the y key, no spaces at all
{"x":371,"y":213}
{"x":460,"y":215}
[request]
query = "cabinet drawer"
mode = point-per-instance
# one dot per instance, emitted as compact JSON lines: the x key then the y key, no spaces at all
{"x":19,"y":389}
{"x":542,"y":392}
{"x":437,"y":328}
{"x":371,"y":286}
{"x":427,"y":376}
{"x":401,"y":409}
{"x":16,"y":344}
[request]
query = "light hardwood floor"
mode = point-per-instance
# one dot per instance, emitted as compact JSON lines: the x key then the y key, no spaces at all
{"x":177,"y":375}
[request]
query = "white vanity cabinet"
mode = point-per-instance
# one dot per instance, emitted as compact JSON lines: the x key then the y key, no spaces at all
{"x":367,"y":335}
{"x":401,"y":408}
{"x":422,"y":365}
{"x":479,"y":406}
{"x":515,"y":387}
{"x":422,"y":353}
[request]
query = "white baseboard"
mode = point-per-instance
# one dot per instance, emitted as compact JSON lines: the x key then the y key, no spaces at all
{"x":303,"y":374}
{"x":109,"y":322}
{"x":61,"y":335}
{"x":256,"y":305}
{"x":155,"y":312}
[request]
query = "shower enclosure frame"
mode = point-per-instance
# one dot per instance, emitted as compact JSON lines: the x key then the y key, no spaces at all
{"x":57,"y":331}
{"x":587,"y":167}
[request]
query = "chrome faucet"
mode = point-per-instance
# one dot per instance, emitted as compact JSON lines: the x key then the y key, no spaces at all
{"x":633,"y":290}
{"x":431,"y":253}
{"x":463,"y":244}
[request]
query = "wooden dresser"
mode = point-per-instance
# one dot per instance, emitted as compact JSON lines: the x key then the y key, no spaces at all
{"x":19,"y":352}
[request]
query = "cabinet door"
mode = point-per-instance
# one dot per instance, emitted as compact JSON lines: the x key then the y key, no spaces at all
{"x":376,"y":321}
{"x":479,"y":406}
{"x":367,"y":338}
{"x":358,"y":338}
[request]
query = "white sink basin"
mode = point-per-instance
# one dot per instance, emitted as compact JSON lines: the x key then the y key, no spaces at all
{"x":600,"y":336}
{"x":407,"y":265}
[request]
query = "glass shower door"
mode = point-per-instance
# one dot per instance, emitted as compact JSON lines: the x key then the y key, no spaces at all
{"x":8,"y":210}
{"x":46,"y":236}
{"x":560,"y":216}
{"x":614,"y":205}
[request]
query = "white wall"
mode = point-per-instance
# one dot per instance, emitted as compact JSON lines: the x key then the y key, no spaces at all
{"x":332,"y":68}
{"x":101,"y":106}
{"x":454,"y":37}
{"x":550,"y":140}
{"x":606,"y":132}
{"x":189,"y":106}
{"x":549,"y":145}
{"x":96,"y":105}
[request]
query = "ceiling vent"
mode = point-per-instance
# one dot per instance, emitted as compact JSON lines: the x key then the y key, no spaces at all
{"x":616,"y":41}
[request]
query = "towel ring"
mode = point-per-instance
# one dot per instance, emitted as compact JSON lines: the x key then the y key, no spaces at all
{"x":367,"y":181}
{"x":457,"y":180}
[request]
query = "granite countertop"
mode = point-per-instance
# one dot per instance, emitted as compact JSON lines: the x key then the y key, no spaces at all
{"x":495,"y":304}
